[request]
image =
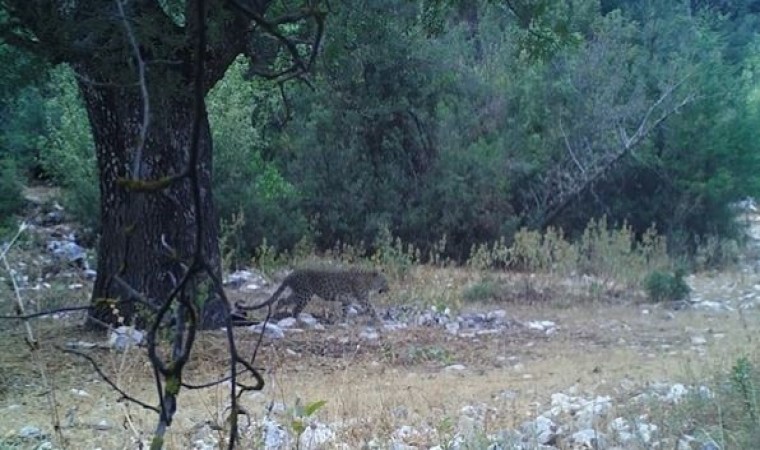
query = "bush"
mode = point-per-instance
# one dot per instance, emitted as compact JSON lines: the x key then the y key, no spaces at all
{"x":663,"y":286}
{"x":68,"y":150}
{"x":248,"y":189}
{"x":484,"y":290}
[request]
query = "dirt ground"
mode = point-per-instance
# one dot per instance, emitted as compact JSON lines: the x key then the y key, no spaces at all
{"x":372,"y":387}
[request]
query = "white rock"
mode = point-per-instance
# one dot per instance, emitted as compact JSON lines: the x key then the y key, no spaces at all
{"x":125,"y":337}
{"x":455,"y":368}
{"x":237,"y":278}
{"x":307,"y":319}
{"x":369,"y":335}
{"x":30,"y":432}
{"x":588,"y":412}
{"x":676,"y":393}
{"x":543,"y":430}
{"x":103,"y":425}
{"x":271,"y":331}
{"x":541,"y":325}
{"x":316,"y":436}
{"x":646,"y":431}
{"x":589,"y":438}
{"x":80,"y":393}
{"x":275,"y":436}
{"x":452,"y":327}
{"x":287,"y":322}
{"x":404,"y":433}
{"x":498,"y":315}
{"x":698,"y":340}
{"x":708,"y":305}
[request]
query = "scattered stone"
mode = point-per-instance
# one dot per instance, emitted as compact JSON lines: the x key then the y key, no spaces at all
{"x":546,"y":326}
{"x":404,"y":432}
{"x":30,"y":432}
{"x":275,"y":436}
{"x":676,"y":393}
{"x":103,"y":425}
{"x":471,"y":421}
{"x":288,"y":322}
{"x":369,"y":335}
{"x":588,"y":438}
{"x":80,"y":393}
{"x":542,"y":430}
{"x":269,"y":330}
{"x":316,"y":436}
{"x":238,"y":278}
{"x":81,"y":345}
{"x":712,"y":306}
{"x":308,"y":320}
{"x":125,"y":337}
{"x":698,"y":340}
{"x":589,"y":412}
{"x":68,"y":251}
{"x":497,"y":315}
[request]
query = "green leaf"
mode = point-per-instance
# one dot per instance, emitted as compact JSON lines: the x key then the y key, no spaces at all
{"x":313,"y":407}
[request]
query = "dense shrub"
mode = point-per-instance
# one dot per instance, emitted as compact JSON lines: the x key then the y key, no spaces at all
{"x":68,"y":151}
{"x":663,"y":286}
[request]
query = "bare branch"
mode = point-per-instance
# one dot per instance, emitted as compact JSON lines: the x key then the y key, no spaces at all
{"x":105,"y":378}
{"x":137,"y":159}
{"x":46,"y":312}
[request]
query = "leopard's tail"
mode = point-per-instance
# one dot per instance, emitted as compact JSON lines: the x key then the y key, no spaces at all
{"x":264,"y":304}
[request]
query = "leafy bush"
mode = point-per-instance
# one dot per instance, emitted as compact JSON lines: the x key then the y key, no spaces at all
{"x":247,"y":188}
{"x":484,"y":290}
{"x":68,"y":150}
{"x":662,"y":286}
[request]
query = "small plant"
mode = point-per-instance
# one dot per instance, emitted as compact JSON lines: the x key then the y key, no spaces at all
{"x":391,"y":254}
{"x":230,"y":236}
{"x":267,"y":259}
{"x":664,"y":286}
{"x":716,"y":253}
{"x":432,"y":353}
{"x":484,"y":290}
{"x":743,"y":383}
{"x":301,"y":414}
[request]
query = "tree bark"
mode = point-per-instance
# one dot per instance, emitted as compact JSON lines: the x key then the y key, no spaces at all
{"x":148,"y":238}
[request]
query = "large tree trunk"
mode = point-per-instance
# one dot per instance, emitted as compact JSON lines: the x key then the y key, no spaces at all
{"x":148,"y":238}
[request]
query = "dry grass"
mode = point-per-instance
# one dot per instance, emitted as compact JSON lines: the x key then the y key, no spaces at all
{"x":373,"y":387}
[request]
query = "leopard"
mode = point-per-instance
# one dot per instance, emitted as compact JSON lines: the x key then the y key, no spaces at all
{"x":329,"y":285}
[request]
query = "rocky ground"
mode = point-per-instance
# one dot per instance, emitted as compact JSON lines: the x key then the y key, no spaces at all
{"x":546,"y":374}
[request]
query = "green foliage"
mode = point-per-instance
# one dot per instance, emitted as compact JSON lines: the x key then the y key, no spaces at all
{"x":68,"y":151}
{"x":482,"y":291}
{"x":743,"y":379}
{"x":391,"y":254}
{"x":724,"y":411}
{"x":663,"y":286}
{"x":465,"y":120}
{"x":11,"y":199}
{"x":300,"y":415}
{"x":245,"y":185}
{"x":714,"y":252}
{"x":416,"y":354}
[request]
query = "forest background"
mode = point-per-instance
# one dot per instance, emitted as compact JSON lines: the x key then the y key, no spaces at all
{"x":429,"y":120}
